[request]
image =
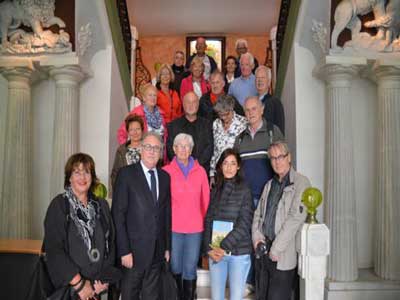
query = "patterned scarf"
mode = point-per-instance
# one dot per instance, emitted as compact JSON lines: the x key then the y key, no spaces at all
{"x":154,"y":119}
{"x":83,"y":217}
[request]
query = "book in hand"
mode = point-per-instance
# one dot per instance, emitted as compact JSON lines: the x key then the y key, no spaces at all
{"x":220,"y":229}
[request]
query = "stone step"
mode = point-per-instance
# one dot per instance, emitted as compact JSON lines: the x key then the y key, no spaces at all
{"x":204,"y":293}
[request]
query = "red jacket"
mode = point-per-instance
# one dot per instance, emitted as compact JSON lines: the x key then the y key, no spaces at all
{"x":189,"y":197}
{"x":187,"y":86}
{"x":172,"y":109}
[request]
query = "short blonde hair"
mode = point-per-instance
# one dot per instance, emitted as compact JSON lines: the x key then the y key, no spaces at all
{"x":168,"y":67}
{"x":144,"y":88}
{"x":197,"y":61}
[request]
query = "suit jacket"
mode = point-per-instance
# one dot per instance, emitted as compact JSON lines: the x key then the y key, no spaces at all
{"x":141,"y":224}
{"x":273,"y":111}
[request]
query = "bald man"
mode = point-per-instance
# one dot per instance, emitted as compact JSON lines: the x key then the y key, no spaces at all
{"x":209,"y":63}
{"x":199,"y":128}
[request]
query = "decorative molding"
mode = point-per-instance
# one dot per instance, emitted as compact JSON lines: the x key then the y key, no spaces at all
{"x":320,"y":33}
{"x":142,"y":75}
{"x":84,"y":39}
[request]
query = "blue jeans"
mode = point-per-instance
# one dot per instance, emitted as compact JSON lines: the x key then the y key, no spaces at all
{"x":185,"y":252}
{"x":236,"y":267}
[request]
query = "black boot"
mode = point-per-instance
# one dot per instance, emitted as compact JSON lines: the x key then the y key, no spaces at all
{"x":189,"y":289}
{"x":179,"y":285}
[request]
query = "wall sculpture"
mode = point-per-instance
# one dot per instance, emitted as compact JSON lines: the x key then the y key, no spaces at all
{"x":37,"y":15}
{"x":386,"y":21}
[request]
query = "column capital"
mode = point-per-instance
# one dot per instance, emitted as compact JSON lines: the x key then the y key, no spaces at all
{"x":387,"y":72}
{"x":67,"y":75}
{"x":339,"y":70}
{"x":17,"y":76}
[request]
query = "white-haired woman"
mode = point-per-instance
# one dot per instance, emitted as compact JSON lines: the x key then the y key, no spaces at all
{"x":226,"y":128}
{"x":190,"y":196}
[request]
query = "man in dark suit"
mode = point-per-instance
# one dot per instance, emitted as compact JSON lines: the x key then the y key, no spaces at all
{"x":199,"y":128}
{"x":273,"y":108}
{"x":142,"y":215}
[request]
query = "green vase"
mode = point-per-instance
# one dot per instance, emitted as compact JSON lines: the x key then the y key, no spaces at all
{"x":311,"y":198}
{"x":100,"y":191}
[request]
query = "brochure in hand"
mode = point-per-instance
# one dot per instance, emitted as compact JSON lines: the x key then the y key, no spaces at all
{"x":220,"y":229}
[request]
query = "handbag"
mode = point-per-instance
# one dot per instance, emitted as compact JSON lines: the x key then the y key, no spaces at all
{"x":169,"y":290}
{"x":41,"y":287}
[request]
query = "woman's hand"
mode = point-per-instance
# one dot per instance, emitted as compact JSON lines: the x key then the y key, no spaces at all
{"x":99,"y":286}
{"x":87,"y":291}
{"x":216,"y":254}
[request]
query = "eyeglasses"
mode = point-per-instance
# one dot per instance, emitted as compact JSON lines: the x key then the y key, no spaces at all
{"x":149,"y":148}
{"x":278,"y":158}
{"x":77,"y":173}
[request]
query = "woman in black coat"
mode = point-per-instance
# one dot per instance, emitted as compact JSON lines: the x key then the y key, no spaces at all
{"x":227,"y":235}
{"x":79,"y":234}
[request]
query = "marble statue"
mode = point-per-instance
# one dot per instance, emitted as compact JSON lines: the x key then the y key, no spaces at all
{"x":389,"y":23}
{"x":386,"y":21}
{"x":38,"y":15}
{"x":346,"y":16}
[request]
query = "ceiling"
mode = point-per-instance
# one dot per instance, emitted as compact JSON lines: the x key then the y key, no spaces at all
{"x":177,"y":17}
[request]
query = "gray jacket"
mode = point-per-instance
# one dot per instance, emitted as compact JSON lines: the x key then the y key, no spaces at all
{"x":290,"y":215}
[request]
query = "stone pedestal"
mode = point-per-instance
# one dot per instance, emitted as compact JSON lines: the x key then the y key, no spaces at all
{"x":312,"y":244}
{"x":66,"y":122}
{"x":340,"y":206}
{"x":16,"y":198}
{"x":387,"y":247}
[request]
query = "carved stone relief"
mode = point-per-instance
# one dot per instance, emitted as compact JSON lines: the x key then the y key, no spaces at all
{"x":38,"y":15}
{"x":84,"y":38}
{"x":386,"y":21}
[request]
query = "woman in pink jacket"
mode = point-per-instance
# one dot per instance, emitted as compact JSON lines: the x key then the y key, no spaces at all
{"x":153,"y":116}
{"x":190,"y":196}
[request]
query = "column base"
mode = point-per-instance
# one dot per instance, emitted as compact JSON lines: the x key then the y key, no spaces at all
{"x":367,"y":287}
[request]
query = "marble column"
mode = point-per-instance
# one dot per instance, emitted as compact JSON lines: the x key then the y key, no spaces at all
{"x":66,"y":122}
{"x":387,"y":240}
{"x":16,"y":198}
{"x":340,"y":205}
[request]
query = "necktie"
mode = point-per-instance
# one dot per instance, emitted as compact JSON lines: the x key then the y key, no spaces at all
{"x":153,"y":185}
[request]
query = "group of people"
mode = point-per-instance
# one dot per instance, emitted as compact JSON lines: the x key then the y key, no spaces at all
{"x":217,"y":155}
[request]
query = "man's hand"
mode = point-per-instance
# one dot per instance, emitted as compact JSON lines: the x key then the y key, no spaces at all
{"x":273,"y":257}
{"x":127,"y":261}
{"x":167,"y":256}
